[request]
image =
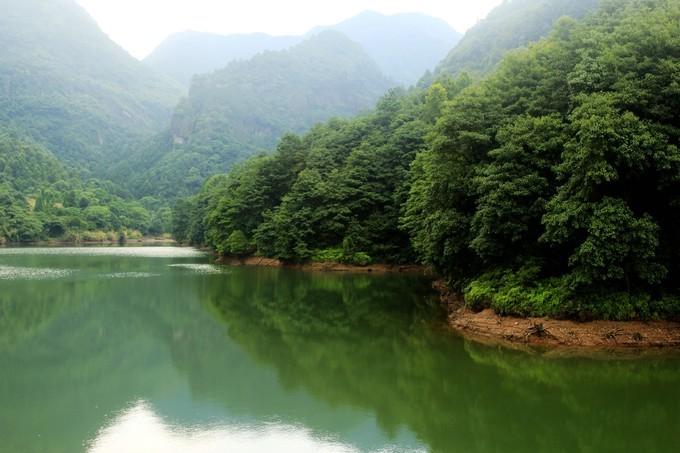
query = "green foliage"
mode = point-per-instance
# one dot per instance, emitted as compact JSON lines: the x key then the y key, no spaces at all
{"x":329,"y":255}
{"x":341,"y":255}
{"x":40,"y":199}
{"x":360,"y":259}
{"x":548,"y":188}
{"x":237,"y":244}
{"x":524,"y":293}
{"x":341,"y":185}
{"x":72,"y":102}
{"x":242,"y":109}
{"x":521,"y":293}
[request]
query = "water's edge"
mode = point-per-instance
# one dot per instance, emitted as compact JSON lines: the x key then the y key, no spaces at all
{"x":548,"y":336}
{"x":559,"y":337}
{"x":325,"y":266}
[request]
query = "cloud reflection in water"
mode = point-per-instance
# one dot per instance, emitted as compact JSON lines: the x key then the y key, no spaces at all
{"x":140,"y":430}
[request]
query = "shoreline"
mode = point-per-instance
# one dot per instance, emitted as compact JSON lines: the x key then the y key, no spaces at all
{"x":549,"y":336}
{"x":318,"y":266}
{"x":558,"y":337}
{"x":59,"y":243}
{"x":552,"y":337}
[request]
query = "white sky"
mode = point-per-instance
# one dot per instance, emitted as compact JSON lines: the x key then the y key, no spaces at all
{"x":140,"y":25}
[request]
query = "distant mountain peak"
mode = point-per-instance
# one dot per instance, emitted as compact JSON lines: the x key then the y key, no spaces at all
{"x":404,"y":45}
{"x":245,"y":107}
{"x":510,"y":25}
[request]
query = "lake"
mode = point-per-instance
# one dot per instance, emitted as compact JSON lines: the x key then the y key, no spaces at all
{"x":155,"y":349}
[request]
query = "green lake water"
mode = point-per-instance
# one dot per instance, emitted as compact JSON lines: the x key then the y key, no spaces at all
{"x":154,"y":349}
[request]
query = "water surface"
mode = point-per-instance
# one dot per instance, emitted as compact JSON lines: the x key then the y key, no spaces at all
{"x":155,"y":349}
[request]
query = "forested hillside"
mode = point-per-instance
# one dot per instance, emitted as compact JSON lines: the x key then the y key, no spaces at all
{"x":513,"y":24}
{"x":246,"y":107}
{"x":548,"y":188}
{"x":40,"y":199}
{"x":403,"y":45}
{"x":71,"y":102}
{"x":67,"y":86}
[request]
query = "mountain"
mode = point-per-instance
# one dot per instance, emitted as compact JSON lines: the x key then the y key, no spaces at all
{"x":513,"y":24}
{"x":66,"y":85}
{"x":403,"y":45}
{"x":247,"y":106}
{"x":183,"y":55}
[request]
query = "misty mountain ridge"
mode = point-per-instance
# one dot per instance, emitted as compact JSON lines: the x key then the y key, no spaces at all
{"x":247,"y":106}
{"x":65,"y":84}
{"x":404,"y":46}
{"x":69,"y":90}
{"x":185,"y":54}
{"x":511,"y":25}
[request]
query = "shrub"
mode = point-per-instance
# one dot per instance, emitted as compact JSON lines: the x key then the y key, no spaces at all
{"x":338,"y":255}
{"x":513,"y":293}
{"x":331,"y":255}
{"x":360,"y":259}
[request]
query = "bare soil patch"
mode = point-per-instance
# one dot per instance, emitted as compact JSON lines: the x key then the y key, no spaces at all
{"x":569,"y":336}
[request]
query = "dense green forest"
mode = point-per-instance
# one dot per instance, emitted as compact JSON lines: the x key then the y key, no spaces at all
{"x":548,"y":188}
{"x":40,"y":199}
{"x":246,"y":107}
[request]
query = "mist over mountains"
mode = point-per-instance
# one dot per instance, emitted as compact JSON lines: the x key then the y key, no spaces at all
{"x":509,"y":26}
{"x":403,"y":45}
{"x":68,"y":86}
{"x":247,"y":106}
{"x":200,"y":104}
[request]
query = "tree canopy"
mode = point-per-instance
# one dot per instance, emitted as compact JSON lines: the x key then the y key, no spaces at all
{"x":547,"y":188}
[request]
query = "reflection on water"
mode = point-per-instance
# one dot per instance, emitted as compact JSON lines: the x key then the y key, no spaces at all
{"x":140,"y":430}
{"x":251,"y":357}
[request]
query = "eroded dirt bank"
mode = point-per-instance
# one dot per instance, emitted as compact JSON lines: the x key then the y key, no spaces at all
{"x":570,"y":336}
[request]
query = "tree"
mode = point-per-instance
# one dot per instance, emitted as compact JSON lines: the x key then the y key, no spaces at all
{"x":237,"y":244}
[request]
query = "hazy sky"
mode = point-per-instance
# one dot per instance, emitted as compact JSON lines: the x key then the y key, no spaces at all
{"x":140,"y":25}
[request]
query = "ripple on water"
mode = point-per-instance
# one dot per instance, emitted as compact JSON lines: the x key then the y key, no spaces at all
{"x":32,"y":273}
{"x":131,"y":275}
{"x":200,"y":268}
{"x":144,"y":252}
